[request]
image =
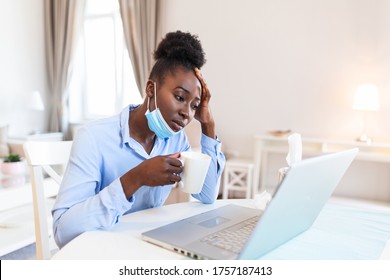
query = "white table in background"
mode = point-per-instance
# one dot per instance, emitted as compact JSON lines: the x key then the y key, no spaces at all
{"x":267,"y":144}
{"x":16,"y":211}
{"x":15,"y":142}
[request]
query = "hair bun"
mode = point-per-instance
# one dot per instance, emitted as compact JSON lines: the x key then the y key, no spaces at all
{"x":181,"y":47}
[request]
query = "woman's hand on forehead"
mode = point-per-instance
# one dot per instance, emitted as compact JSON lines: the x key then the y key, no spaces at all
{"x":203,"y":113}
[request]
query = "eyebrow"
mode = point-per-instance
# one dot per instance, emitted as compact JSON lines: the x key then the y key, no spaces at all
{"x":186,"y":90}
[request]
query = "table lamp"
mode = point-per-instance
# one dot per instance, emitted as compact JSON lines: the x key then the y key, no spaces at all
{"x":366,"y":99}
{"x":35,"y":103}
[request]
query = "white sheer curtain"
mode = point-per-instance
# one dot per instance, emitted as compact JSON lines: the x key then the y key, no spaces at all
{"x":62,"y":23}
{"x":142,"y":32}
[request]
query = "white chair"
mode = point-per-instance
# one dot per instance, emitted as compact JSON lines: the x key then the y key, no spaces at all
{"x":41,"y":157}
{"x":238,"y":175}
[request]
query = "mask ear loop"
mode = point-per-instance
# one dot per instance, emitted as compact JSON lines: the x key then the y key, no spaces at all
{"x":155,"y":97}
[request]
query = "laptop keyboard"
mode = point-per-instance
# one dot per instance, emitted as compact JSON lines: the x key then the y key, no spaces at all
{"x":233,"y":238}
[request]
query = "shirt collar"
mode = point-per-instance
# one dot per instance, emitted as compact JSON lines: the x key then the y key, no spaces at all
{"x":126,"y":139}
{"x":124,"y":122}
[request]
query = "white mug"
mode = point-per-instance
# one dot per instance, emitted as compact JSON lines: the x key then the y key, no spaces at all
{"x":195,"y":168}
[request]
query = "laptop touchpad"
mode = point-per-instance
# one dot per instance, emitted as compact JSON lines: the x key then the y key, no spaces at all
{"x":213,"y":222}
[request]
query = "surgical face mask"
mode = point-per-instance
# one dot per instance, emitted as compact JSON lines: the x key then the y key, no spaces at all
{"x":156,"y":121}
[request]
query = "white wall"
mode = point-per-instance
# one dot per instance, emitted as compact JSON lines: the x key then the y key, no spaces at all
{"x":22,"y":63}
{"x":294,"y":64}
{"x":290,"y":64}
{"x":280,"y":64}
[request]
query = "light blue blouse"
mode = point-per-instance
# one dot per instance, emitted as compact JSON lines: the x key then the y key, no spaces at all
{"x":91,"y":195}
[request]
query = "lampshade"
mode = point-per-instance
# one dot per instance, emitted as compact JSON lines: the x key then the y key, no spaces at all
{"x":366,"y":98}
{"x":36,"y":102}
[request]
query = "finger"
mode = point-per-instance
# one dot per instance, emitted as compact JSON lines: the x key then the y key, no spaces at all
{"x":197,"y":73}
{"x":177,"y":170}
{"x":206,"y":95}
{"x":205,"y":88}
{"x":200,"y":78}
{"x":174,"y":178}
{"x":174,"y":162}
{"x":176,"y":155}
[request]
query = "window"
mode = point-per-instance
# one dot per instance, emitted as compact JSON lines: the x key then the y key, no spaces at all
{"x":102,"y":81}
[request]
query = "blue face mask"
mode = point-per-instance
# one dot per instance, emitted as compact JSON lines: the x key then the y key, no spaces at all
{"x":156,"y":121}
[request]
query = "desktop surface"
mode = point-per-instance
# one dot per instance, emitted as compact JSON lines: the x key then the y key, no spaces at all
{"x":124,"y":241}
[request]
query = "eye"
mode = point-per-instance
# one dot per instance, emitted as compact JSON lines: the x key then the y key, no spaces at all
{"x":179,"y":98}
{"x":195,"y":107}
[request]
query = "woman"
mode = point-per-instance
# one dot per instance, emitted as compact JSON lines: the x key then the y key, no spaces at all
{"x":129,"y":162}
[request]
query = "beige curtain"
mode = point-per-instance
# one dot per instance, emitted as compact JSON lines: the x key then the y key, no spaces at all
{"x":141,"y":27}
{"x":62,"y":21}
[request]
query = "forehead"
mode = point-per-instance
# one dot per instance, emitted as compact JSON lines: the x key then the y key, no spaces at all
{"x":184,"y":78}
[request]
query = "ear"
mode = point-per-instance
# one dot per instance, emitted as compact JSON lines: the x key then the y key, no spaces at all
{"x":149,"y":90}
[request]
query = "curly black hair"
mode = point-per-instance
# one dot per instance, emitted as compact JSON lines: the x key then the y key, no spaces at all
{"x":177,"y":49}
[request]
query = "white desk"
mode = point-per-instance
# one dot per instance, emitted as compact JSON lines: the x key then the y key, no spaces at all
{"x":124,"y":240}
{"x":267,"y":144}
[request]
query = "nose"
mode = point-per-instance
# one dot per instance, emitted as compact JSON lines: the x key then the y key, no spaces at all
{"x":185,"y":111}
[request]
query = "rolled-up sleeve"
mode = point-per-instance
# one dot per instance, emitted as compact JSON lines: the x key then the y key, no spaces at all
{"x":210,"y":190}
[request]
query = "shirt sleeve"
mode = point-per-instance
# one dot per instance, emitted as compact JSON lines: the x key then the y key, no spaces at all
{"x":210,"y":190}
{"x":82,"y":204}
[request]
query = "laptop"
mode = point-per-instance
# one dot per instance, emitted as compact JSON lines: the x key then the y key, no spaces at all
{"x":296,"y":203}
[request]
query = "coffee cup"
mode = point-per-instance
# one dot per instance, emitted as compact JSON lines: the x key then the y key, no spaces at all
{"x":195,"y":168}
